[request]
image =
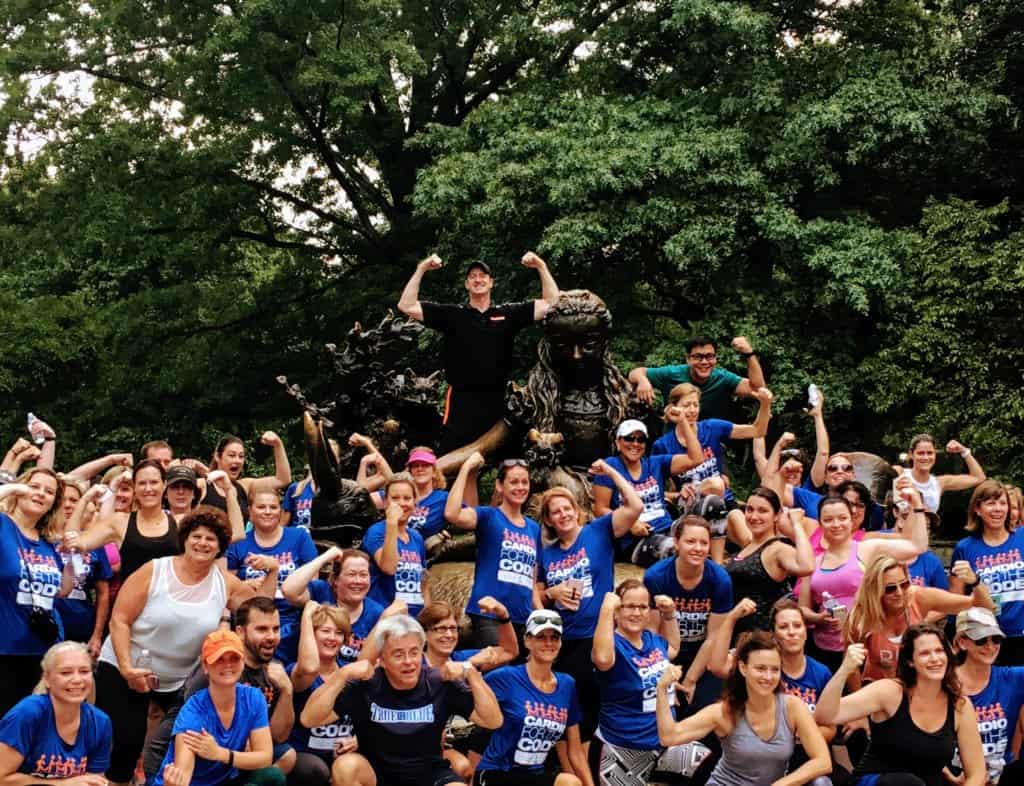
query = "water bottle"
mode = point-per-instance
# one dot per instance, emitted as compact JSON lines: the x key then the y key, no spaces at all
{"x":833,"y":607}
{"x":79,"y":566}
{"x":145,"y":661}
{"x":813,"y":396}
{"x":38,"y":439}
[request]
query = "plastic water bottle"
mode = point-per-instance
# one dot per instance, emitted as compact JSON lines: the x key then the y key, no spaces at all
{"x":80,"y":568}
{"x":145,"y":661}
{"x":813,"y":396}
{"x":833,"y":607}
{"x":38,"y":439}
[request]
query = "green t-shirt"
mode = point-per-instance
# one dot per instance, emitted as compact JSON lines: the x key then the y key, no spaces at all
{"x":715,"y":394}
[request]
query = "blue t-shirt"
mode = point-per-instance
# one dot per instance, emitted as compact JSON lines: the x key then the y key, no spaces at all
{"x":591,"y":562}
{"x":1002,"y":570}
{"x":506,"y":563}
{"x":712,"y":595}
{"x":928,"y":571}
{"x":320,"y":740}
{"x":997,"y":708}
{"x":428,"y":516}
{"x":628,"y":692}
{"x":406,"y":584}
{"x":711,"y":434}
{"x":810,"y":684}
{"x":293,"y":549}
{"x":31,"y":729}
{"x":321,"y":592}
{"x":533,"y":720}
{"x":650,"y":485}
{"x":30,"y":573}
{"x":77,"y":611}
{"x":198,"y":713}
{"x":299,"y":504}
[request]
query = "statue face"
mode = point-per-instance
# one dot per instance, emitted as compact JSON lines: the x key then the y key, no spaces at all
{"x":577,"y":345}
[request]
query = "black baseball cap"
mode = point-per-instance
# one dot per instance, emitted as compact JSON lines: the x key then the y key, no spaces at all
{"x":482,"y":265}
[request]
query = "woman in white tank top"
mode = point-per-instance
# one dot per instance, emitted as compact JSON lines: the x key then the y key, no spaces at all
{"x":932,"y":487}
{"x":167,"y":607}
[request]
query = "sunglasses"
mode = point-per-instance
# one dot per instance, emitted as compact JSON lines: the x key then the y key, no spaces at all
{"x":703,"y":356}
{"x":840,"y":467}
{"x":903,"y":586}
{"x":997,"y":640}
{"x":635,"y":439}
{"x":789,"y":453}
{"x":508,"y":463}
{"x":547,"y":619}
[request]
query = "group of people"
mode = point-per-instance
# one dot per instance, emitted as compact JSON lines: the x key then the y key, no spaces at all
{"x":172,"y":621}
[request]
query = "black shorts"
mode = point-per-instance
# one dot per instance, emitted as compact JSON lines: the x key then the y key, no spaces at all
{"x":513,"y":778}
{"x":439,"y":774}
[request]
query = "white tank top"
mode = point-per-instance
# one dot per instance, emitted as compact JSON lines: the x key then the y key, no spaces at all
{"x":931,"y":494}
{"x":174,"y":622}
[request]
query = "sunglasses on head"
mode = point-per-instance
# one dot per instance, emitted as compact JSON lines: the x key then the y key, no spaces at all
{"x":840,"y":467}
{"x":890,"y":589}
{"x":789,"y":453}
{"x":508,"y":463}
{"x":636,"y":439}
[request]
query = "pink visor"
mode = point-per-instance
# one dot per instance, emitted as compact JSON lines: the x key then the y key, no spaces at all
{"x":421,"y":457}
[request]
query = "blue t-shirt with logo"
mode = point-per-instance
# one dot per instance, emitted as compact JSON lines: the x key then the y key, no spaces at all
{"x":1002,"y":569}
{"x":30,"y":574}
{"x":321,"y":592}
{"x":533,"y":720}
{"x":711,"y":595}
{"x":711,"y":434}
{"x":650,"y":485}
{"x":293,"y":549}
{"x":997,"y":708}
{"x":77,"y":611}
{"x":299,"y":504}
{"x":506,"y":563}
{"x":320,"y":740}
{"x":590,"y":561}
{"x":428,"y":516}
{"x":809,"y":685}
{"x":628,"y":692}
{"x":31,"y":729}
{"x":199,"y":713}
{"x":406,"y":584}
{"x":928,"y":571}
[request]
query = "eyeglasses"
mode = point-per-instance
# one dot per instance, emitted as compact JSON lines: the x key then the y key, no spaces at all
{"x":856,"y":504}
{"x":997,"y":640}
{"x":703,"y":356}
{"x":634,"y":607}
{"x":903,"y":586}
{"x":444,"y":629}
{"x":508,"y":463}
{"x":840,"y":467}
{"x":635,"y":439}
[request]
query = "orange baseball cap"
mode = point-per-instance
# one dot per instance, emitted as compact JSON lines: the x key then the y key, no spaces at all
{"x":219,"y":643}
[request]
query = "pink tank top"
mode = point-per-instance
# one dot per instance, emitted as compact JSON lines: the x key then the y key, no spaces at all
{"x":819,"y":549}
{"x":841,"y":583}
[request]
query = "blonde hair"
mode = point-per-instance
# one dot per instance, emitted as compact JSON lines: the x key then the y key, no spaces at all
{"x":400,"y":477}
{"x":334,"y":614}
{"x":49,"y":660}
{"x":552,"y":493}
{"x":867,"y":615}
{"x":57,"y":521}
{"x":8,"y":505}
{"x":678,"y":393}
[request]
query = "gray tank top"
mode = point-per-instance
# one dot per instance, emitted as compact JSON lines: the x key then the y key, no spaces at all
{"x":747,"y":760}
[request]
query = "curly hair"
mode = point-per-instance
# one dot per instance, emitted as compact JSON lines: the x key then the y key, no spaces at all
{"x":543,"y":386}
{"x":213,"y":519}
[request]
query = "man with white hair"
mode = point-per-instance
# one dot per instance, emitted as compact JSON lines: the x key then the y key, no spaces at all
{"x":399,"y":710}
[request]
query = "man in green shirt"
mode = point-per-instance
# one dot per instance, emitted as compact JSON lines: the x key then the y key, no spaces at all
{"x":717,"y":385}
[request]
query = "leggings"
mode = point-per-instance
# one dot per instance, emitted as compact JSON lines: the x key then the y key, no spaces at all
{"x":309,"y":770}
{"x":128,"y":710}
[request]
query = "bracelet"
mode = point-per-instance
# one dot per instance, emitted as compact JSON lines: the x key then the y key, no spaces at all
{"x":920,"y":510}
{"x":972,"y":586}
{"x":965,"y":453}
{"x":668,"y":617}
{"x":747,"y":355}
{"x":504,"y":621}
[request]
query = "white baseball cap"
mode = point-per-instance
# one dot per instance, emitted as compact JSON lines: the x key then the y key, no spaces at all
{"x":630,"y":426}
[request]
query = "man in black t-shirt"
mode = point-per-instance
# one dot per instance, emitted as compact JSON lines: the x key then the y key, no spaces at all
{"x":477,"y":349}
{"x":399,"y":710}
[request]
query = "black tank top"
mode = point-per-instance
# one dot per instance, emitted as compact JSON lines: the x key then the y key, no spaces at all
{"x":215,"y":499}
{"x":751,"y":580}
{"x":899,"y":745}
{"x":137,"y":549}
